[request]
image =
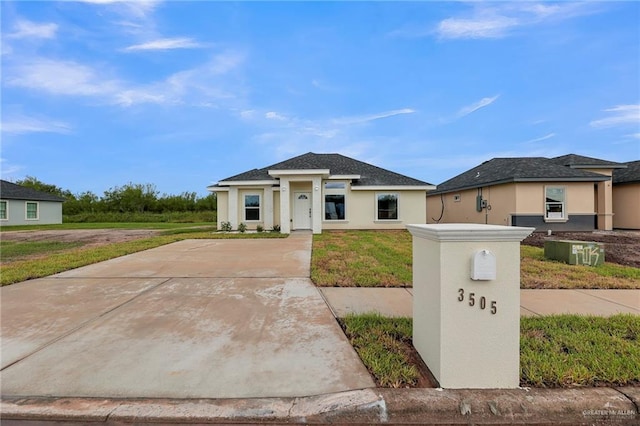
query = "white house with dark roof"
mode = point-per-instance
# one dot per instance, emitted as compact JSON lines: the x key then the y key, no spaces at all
{"x":321,"y":191}
{"x":20,"y":205}
{"x":567,"y":193}
{"x":626,"y":196}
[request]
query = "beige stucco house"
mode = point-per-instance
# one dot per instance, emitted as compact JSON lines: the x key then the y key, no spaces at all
{"x":321,"y":191}
{"x":626,"y":196}
{"x":567,"y":193}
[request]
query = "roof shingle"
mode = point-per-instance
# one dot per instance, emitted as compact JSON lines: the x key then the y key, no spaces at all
{"x":337,"y":164}
{"x":629,"y":175}
{"x":520,"y":169}
{"x":11,"y":191}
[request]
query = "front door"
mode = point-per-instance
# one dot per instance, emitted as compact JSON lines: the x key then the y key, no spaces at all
{"x":302,"y":210}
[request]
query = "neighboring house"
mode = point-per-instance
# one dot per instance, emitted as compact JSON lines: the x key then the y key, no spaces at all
{"x":568,"y":193}
{"x":321,"y":191}
{"x":626,"y":196}
{"x":20,"y":205}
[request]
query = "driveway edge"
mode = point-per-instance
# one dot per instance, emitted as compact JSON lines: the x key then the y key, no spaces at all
{"x":371,"y":406}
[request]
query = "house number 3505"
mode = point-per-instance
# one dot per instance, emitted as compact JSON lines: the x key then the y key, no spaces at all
{"x":474,"y":300}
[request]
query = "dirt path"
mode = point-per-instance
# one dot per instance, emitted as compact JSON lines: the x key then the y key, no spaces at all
{"x":621,"y":247}
{"x":88,"y":237}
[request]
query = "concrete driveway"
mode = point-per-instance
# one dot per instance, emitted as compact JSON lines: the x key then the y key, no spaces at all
{"x":193,"y":319}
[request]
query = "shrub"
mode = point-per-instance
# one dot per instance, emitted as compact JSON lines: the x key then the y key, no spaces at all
{"x":276,"y":228}
{"x":242,"y":228}
{"x":259,"y":228}
{"x":225,"y":226}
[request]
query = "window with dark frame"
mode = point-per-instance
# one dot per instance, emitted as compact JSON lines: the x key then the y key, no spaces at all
{"x":252,"y":207}
{"x":387,"y":207}
{"x":335,"y":200}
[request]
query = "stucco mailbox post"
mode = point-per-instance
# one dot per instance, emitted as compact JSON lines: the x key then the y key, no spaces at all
{"x":466,"y":303}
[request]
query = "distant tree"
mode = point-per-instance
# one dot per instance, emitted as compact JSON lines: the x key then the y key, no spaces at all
{"x":207,"y":203}
{"x":38,"y":185}
{"x":134,"y":198}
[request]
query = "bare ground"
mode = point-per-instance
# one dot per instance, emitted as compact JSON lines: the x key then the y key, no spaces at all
{"x":621,"y":247}
{"x":88,"y":237}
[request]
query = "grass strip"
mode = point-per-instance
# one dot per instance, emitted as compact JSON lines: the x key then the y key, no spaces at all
{"x":10,"y":250}
{"x":63,"y":261}
{"x":536,"y":272}
{"x":104,"y":225}
{"x":383,"y":345}
{"x":384,"y":259}
{"x":362,"y":259}
{"x":555,"y":351}
{"x":572,"y":350}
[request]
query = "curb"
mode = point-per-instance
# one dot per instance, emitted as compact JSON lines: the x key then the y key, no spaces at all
{"x":590,"y":406}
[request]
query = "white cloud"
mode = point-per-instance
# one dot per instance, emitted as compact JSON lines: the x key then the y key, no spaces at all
{"x":197,"y":86}
{"x":621,"y":115}
{"x":476,"y":106}
{"x":371,"y":117}
{"x":23,"y":124}
{"x":540,"y":139}
{"x":28,"y":29}
{"x":272,"y":115}
{"x":476,"y":28}
{"x":9,"y":170}
{"x":135,"y":9}
{"x":496,"y":20}
{"x":165,"y":44}
{"x":60,"y":78}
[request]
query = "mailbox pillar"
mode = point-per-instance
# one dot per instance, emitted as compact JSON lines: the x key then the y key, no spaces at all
{"x":466,"y":303}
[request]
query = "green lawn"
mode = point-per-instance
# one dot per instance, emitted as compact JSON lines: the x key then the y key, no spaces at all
{"x":555,"y":351}
{"x":105,"y":225}
{"x":384,"y":259}
{"x":10,"y":250}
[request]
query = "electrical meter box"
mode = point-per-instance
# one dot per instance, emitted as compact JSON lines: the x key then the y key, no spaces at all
{"x":575,"y":252}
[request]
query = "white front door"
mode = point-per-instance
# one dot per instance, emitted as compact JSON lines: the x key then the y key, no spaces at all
{"x":302,"y":210}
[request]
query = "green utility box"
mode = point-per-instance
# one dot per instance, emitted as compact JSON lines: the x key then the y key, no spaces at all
{"x":575,"y":252}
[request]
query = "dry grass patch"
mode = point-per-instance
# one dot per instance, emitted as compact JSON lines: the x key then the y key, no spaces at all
{"x":540,"y":273}
{"x":362,"y":259}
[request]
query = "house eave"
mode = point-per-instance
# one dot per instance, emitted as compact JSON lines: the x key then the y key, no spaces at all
{"x":248,"y":182}
{"x":344,"y":177}
{"x":599,"y":166}
{"x":325,"y":173}
{"x":393,"y":188}
{"x":522,"y":180}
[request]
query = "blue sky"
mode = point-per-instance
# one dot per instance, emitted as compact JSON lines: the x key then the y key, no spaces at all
{"x":182,"y":94}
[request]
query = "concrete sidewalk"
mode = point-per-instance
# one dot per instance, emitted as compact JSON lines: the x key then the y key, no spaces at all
{"x":193,"y":319}
{"x":398,"y":302}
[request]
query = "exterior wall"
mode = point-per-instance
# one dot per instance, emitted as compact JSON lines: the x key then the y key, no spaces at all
{"x":517,"y":204}
{"x":501,"y":198}
{"x":49,"y":212}
{"x":361,"y":206}
{"x":626,"y":206}
{"x":223,"y":207}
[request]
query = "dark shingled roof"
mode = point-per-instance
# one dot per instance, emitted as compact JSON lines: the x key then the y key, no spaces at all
{"x":522,"y":169}
{"x":580,"y":162}
{"x":629,"y":175}
{"x":11,"y":191}
{"x":337,"y":165}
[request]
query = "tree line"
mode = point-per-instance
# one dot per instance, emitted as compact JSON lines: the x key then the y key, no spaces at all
{"x":128,"y":198}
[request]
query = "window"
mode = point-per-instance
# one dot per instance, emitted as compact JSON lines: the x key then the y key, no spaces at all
{"x":32,"y":211}
{"x":335,"y":200}
{"x":252,"y":207}
{"x":387,"y":207}
{"x":554,"y":203}
{"x":3,"y":210}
